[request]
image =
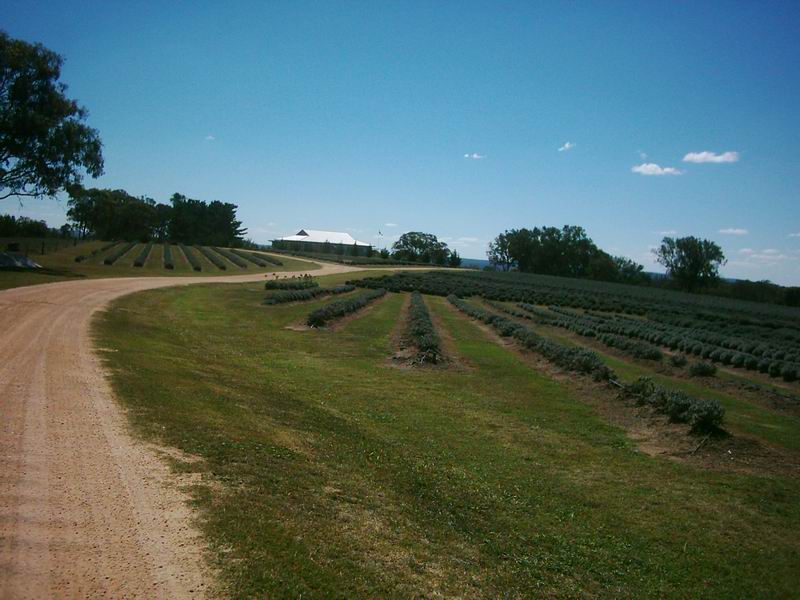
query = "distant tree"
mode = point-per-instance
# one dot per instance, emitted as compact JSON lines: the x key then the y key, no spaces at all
{"x":454,"y":260}
{"x":415,"y":246}
{"x":384,"y":253}
{"x":629,"y":271}
{"x":692,"y":262}
{"x":44,"y":144}
{"x":499,"y":255}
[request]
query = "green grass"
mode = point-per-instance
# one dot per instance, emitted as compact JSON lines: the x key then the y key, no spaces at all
{"x":741,"y":416}
{"x":332,"y":474}
{"x":60,"y":265}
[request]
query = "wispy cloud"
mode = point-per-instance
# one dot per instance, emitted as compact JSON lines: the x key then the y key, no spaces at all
{"x":654,"y":169}
{"x":746,"y":251}
{"x":734,"y":231}
{"x":642,"y":154}
{"x":474,"y":156}
{"x":795,"y":234}
{"x":667,"y":232}
{"x":566,"y":147}
{"x":210,"y":138}
{"x":390,"y":224}
{"x":711,"y":157}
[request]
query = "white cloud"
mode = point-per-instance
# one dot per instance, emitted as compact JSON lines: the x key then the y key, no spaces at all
{"x":474,"y":156}
{"x":746,"y":251}
{"x":795,"y":234}
{"x":711,"y":157}
{"x":210,"y":138}
{"x":642,"y":155}
{"x":772,"y":251}
{"x":733,"y":231}
{"x":390,"y":224}
{"x":667,"y":232}
{"x":567,"y":146}
{"x":654,"y":169}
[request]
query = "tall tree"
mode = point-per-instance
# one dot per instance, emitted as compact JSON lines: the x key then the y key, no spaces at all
{"x":44,"y":143}
{"x":499,"y":255}
{"x":415,"y":246}
{"x":692,"y":262}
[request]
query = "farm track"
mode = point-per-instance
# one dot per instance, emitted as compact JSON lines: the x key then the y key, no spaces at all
{"x":85,"y":509}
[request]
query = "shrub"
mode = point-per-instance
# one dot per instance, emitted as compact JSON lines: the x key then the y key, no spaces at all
{"x":342,"y":307}
{"x":700,"y":414}
{"x":118,"y":253}
{"x":422,"y":331}
{"x":678,"y":360}
{"x":142,"y":257}
{"x":702,"y":369}
{"x":789,"y":373}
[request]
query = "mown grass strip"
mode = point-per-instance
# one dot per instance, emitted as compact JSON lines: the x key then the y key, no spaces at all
{"x":342,"y":307}
{"x":119,"y":253}
{"x":142,"y":257}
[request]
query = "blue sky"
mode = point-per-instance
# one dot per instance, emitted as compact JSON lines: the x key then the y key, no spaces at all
{"x":448,"y":117}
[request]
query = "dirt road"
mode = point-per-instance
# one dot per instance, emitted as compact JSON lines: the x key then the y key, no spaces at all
{"x":85,"y":510}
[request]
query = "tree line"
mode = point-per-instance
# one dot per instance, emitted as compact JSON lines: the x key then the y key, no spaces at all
{"x":117,"y":215}
{"x":565,"y":252}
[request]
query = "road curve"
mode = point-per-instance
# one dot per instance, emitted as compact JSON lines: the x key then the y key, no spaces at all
{"x":85,"y":509}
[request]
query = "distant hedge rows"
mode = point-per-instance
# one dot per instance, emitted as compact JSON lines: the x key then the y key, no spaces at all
{"x":213,"y":258}
{"x":422,"y":332}
{"x":344,"y":306}
{"x":302,"y":295}
{"x":142,"y":257}
{"x":168,"y":262}
{"x":251,"y":257}
{"x":701,"y":415}
{"x":117,"y":254}
{"x":235,"y":259}
{"x":95,"y":252}
{"x":570,"y":358}
{"x":291,"y":283}
{"x":190,"y":256}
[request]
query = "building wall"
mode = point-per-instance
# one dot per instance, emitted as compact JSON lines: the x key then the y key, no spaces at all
{"x":321,"y":248}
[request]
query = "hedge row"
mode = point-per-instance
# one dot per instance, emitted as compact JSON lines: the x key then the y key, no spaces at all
{"x":250,"y":256}
{"x":291,"y":283}
{"x":570,"y":358}
{"x":270,"y":259}
{"x":701,"y":415}
{"x":190,"y":256}
{"x":95,"y":252}
{"x":283,"y":296}
{"x":342,"y":307}
{"x":231,"y":257}
{"x":142,"y":258}
{"x":629,"y":346}
{"x":168,"y":262}
{"x":422,"y":332}
{"x":213,"y":258}
{"x":115,"y":256}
